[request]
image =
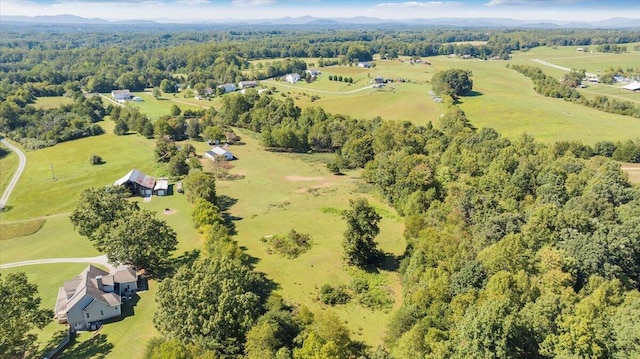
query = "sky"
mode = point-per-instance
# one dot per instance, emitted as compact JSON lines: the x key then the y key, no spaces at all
{"x":178,"y":10}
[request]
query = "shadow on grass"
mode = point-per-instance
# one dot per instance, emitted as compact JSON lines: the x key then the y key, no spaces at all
{"x":387,"y":262}
{"x":472,"y":93}
{"x":225,"y":202}
{"x":171,"y":266}
{"x":96,"y":347}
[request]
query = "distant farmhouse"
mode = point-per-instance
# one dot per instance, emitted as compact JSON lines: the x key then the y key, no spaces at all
{"x":217,"y":152}
{"x":365,"y":65}
{"x":94,"y":295}
{"x":247,"y":84}
{"x":228,"y":87}
{"x":121,"y":95}
{"x":138,"y":183}
{"x":313,"y":72}
{"x":292,"y":78}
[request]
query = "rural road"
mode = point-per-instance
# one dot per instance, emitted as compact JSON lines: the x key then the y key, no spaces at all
{"x":16,"y":176}
{"x":102,"y":260}
{"x":542,"y":62}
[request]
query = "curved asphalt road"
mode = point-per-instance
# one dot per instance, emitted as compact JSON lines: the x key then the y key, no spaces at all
{"x":16,"y":176}
{"x":102,"y":260}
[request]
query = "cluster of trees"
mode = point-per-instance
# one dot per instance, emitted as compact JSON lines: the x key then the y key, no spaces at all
{"x":615,"y":48}
{"x":339,"y":78}
{"x":551,"y":87}
{"x":119,"y":228}
{"x":509,"y":244}
{"x":452,"y":82}
{"x":37,"y":128}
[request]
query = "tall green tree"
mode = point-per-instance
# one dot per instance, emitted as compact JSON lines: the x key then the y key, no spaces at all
{"x":99,"y":206}
{"x":21,"y":313}
{"x":200,"y":185}
{"x":360,"y":247}
{"x":139,"y":239}
{"x":453,"y":82}
{"x":212,"y":303}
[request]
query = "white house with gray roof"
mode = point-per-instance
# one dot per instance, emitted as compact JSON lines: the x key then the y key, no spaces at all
{"x":94,"y":295}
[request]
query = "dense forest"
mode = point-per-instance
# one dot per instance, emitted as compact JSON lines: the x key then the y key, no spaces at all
{"x":515,"y":249}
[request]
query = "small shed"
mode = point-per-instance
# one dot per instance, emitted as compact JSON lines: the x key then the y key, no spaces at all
{"x":162,"y":187}
{"x":218,"y":151}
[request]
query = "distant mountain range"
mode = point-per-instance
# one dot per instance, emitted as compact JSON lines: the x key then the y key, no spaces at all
{"x":613,"y":23}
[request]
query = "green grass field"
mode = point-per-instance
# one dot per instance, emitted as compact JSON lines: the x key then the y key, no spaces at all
{"x":503,"y":99}
{"x":46,"y":103}
{"x":155,"y":108}
{"x":8,"y":166}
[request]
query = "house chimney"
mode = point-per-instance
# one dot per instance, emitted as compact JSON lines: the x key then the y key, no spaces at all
{"x":99,"y":281}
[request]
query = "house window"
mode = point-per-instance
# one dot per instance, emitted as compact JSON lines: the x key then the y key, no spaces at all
{"x":87,"y":315}
{"x":101,"y":312}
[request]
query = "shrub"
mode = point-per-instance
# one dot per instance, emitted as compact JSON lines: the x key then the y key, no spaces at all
{"x":290,"y":245}
{"x":95,"y":160}
{"x":334,"y":295}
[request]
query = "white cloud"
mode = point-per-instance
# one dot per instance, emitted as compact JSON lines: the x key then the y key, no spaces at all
{"x":252,"y":2}
{"x":418,"y":4}
{"x":192,"y":2}
{"x":528,"y":2}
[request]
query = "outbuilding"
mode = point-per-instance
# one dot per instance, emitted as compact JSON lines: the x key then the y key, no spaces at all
{"x":162,"y":187}
{"x":137,"y":182}
{"x":217,"y":152}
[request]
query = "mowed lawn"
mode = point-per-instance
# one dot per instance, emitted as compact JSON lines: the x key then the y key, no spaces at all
{"x":125,"y":338}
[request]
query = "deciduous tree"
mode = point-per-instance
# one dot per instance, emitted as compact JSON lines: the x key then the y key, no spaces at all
{"x":359,"y":243}
{"x":21,"y":313}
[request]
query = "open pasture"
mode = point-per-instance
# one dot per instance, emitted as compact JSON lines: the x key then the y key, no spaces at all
{"x":155,"y":108}
{"x":280,"y":192}
{"x":55,"y":176}
{"x":505,"y":100}
{"x":591,"y":60}
{"x":50,"y":102}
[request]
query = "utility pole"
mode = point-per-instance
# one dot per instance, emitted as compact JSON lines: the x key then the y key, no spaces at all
{"x":53,"y":175}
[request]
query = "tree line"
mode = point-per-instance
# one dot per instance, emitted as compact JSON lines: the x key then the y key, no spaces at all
{"x":551,"y":87}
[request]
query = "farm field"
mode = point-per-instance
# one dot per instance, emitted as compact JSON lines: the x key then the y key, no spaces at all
{"x":50,"y":102}
{"x":275,"y":193}
{"x":503,"y":99}
{"x":593,"y":62}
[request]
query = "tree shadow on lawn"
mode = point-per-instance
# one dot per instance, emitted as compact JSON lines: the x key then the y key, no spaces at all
{"x":225,"y":202}
{"x":386,"y":261}
{"x":171,"y":266}
{"x":96,"y":347}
